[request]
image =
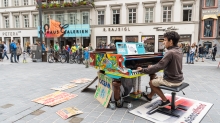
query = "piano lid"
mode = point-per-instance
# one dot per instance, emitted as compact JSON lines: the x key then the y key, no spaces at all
{"x":130,"y":48}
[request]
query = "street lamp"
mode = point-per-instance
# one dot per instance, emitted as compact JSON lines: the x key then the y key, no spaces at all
{"x":39,"y":2}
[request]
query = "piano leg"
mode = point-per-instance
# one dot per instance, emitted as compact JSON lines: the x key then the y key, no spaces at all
{"x":135,"y":85}
{"x":139,"y":85}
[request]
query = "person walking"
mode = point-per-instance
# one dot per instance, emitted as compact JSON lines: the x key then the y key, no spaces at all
{"x":214,"y":52}
{"x":1,"y":50}
{"x":86,"y":56}
{"x":5,"y":51}
{"x":13,"y":48}
{"x":192,"y":53}
{"x":18,"y":51}
{"x":187,"y":50}
{"x":201,"y":53}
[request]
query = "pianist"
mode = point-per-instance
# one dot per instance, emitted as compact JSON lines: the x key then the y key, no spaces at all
{"x":172,"y":66}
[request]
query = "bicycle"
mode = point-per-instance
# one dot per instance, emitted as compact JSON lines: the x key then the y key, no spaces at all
{"x":72,"y":58}
{"x":52,"y":57}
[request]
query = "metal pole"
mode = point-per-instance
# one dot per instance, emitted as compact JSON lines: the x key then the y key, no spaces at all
{"x":40,"y":17}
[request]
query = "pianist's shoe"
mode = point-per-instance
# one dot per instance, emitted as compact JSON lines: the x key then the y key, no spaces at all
{"x":163,"y":104}
{"x":146,"y":97}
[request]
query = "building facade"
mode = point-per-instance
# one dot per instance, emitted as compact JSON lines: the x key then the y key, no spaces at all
{"x":210,"y":24}
{"x":66,"y":22}
{"x":19,"y":21}
{"x":144,"y":21}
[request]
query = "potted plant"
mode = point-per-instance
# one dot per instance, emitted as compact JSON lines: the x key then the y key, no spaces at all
{"x":67,"y":4}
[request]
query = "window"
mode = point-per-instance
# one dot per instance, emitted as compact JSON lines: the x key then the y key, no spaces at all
{"x":26,"y":21}
{"x":187,"y":12}
{"x":60,"y":18}
{"x":101,"y":17}
{"x":73,"y":18}
{"x":101,"y":42}
{"x":132,"y":15}
{"x":36,"y":20}
{"x":116,"y":16}
{"x":209,"y":3}
{"x":149,"y":15}
{"x":6,"y":3}
{"x":85,"y":17}
{"x":6,"y":22}
{"x":47,"y":19}
{"x":167,"y":14}
{"x":25,"y":2}
{"x":16,"y":2}
{"x":208,"y":27}
{"x":17,"y":22}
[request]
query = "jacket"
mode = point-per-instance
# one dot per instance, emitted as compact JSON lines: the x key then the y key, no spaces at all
{"x":86,"y":55}
{"x":19,"y":50}
{"x":13,"y":46}
{"x":172,"y":65}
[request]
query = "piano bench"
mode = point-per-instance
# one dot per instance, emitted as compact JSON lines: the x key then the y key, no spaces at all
{"x":172,"y":111}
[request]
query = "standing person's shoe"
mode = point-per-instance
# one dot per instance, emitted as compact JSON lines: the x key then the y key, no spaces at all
{"x":163,"y":104}
{"x":146,"y":97}
{"x":12,"y":62}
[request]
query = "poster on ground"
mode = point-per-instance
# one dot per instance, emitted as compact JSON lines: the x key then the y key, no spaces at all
{"x":104,"y":89}
{"x":68,"y":112}
{"x":55,"y":98}
{"x":64,"y":87}
{"x":82,"y":80}
{"x":196,"y":110}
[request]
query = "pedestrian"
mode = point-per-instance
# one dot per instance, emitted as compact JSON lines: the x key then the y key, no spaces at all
{"x":13,"y":48}
{"x":218,"y":64}
{"x":18,"y":51}
{"x":86,"y":57}
{"x":5,"y":51}
{"x":187,"y":50}
{"x":214,"y":52}
{"x":192,"y":53}
{"x":24,"y":56}
{"x":43,"y":46}
{"x":201,"y":53}
{"x":1,"y":50}
{"x":90,"y":47}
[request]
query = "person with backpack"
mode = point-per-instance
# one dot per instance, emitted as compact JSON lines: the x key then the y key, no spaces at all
{"x":13,"y":48}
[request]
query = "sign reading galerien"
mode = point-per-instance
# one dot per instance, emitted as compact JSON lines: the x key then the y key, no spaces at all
{"x":104,"y":89}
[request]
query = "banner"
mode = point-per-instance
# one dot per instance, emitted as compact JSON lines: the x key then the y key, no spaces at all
{"x":55,"y":98}
{"x":55,"y":29}
{"x":196,"y":110}
{"x":64,"y":87}
{"x":104,"y":90}
{"x":66,"y":113}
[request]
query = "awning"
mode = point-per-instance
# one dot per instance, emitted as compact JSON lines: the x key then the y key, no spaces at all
{"x":209,"y":16}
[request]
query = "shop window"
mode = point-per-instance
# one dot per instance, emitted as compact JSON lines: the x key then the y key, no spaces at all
{"x":160,"y":43}
{"x":131,"y":38}
{"x":26,"y":42}
{"x":208,"y":27}
{"x":187,"y":12}
{"x":209,"y":3}
{"x":101,"y":42}
{"x":116,"y":16}
{"x":149,"y":43}
{"x":218,"y":26}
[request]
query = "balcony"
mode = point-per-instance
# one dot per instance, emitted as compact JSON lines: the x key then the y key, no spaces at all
{"x":55,"y":4}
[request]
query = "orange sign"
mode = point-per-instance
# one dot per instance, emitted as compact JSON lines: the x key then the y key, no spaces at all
{"x":54,"y":29}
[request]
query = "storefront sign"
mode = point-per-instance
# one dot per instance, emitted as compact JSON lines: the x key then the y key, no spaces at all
{"x":116,"y":29}
{"x":212,"y":11}
{"x":54,"y":29}
{"x":10,"y":33}
{"x":172,"y":28}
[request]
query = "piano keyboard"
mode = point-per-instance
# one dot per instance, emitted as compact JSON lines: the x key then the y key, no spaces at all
{"x":135,"y":73}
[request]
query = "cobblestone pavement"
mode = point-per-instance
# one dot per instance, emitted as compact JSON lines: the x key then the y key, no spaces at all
{"x":23,"y":82}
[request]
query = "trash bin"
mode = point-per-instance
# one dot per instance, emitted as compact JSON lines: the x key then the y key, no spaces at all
{"x":44,"y":56}
{"x":36,"y":53}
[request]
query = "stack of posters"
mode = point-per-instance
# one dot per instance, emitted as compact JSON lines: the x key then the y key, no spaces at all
{"x":55,"y":98}
{"x":82,"y":80}
{"x":68,"y":112}
{"x":64,"y":87}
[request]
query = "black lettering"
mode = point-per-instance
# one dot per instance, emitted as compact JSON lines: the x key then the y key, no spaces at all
{"x":109,"y":29}
{"x":128,"y":29}
{"x":13,"y":33}
{"x":82,"y":31}
{"x":112,"y":29}
{"x":74,"y":31}
{"x":104,"y":29}
{"x":77,"y":31}
{"x":86,"y":31}
{"x":68,"y":31}
{"x":64,"y":32}
{"x":118,"y":29}
{"x":125,"y":29}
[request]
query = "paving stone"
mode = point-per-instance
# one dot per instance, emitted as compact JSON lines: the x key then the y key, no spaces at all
{"x":102,"y":118}
{"x":116,"y":117}
{"x":94,"y":114}
{"x":34,"y":121}
{"x":127,"y":121}
{"x":89,"y":119}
